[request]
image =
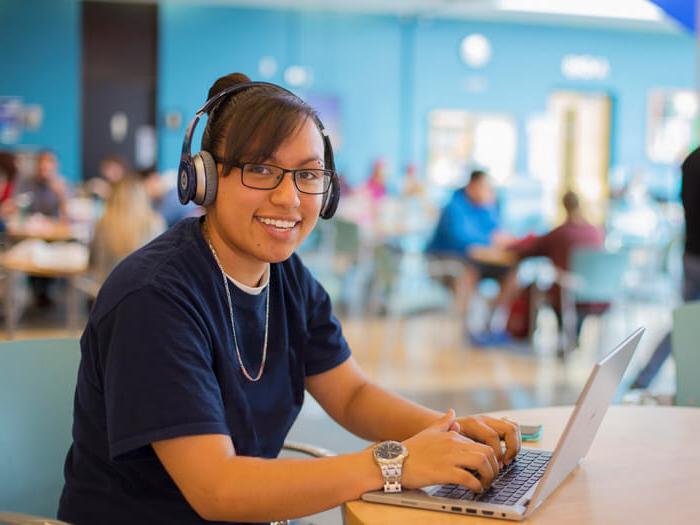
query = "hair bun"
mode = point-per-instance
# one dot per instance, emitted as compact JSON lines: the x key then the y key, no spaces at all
{"x":225,"y":82}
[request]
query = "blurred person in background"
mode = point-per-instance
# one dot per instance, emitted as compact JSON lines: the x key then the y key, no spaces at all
{"x":113,"y":168}
{"x":8,"y":177}
{"x":470,"y":219}
{"x":690,"y":198}
{"x":46,"y":190}
{"x":45,"y":194}
{"x":375,"y":186}
{"x":557,"y":245}
{"x":128,"y":222}
{"x":412,"y":185}
{"x":162,"y":190}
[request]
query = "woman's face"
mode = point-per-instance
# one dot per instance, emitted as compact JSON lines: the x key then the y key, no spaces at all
{"x":261,"y":226}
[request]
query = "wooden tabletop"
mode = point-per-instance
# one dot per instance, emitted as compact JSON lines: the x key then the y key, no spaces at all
{"x":24,"y":266}
{"x":47,"y":230}
{"x":643,"y":467}
{"x":493,"y":255}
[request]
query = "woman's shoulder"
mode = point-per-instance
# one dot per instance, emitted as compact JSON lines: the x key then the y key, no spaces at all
{"x":170,"y":262}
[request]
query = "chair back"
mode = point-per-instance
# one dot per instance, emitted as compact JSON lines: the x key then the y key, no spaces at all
{"x":684,"y":344}
{"x":599,"y":273}
{"x":37,"y":386}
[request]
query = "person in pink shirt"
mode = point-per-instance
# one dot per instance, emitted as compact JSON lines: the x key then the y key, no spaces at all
{"x":376,"y":184}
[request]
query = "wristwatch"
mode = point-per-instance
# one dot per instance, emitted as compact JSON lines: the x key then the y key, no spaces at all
{"x":389,"y":455}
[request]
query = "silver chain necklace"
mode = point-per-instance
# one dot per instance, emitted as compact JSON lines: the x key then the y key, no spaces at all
{"x":248,"y":376}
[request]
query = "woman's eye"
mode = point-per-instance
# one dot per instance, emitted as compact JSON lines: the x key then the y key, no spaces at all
{"x":259,"y":170}
{"x":307,"y":175}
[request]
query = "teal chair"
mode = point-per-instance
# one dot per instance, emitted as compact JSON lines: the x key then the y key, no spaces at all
{"x":600,"y":274}
{"x":686,"y":353}
{"x":37,"y":385}
{"x":594,"y":281}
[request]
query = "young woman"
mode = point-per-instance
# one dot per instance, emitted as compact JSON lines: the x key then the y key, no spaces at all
{"x":202,"y":344}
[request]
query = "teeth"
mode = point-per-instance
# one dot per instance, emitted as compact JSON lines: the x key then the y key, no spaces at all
{"x":277,"y":223}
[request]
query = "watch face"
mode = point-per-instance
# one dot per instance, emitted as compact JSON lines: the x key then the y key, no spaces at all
{"x":389,"y":450}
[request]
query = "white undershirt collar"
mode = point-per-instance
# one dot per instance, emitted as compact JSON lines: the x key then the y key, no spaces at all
{"x":250,"y":290}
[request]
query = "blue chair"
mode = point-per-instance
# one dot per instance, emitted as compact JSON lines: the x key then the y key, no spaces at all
{"x":686,"y":353}
{"x":595,"y":280}
{"x":37,"y":385}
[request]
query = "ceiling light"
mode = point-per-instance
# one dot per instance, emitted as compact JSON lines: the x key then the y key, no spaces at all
{"x":625,"y":9}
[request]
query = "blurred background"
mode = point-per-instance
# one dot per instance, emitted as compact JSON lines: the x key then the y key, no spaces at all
{"x":598,"y":98}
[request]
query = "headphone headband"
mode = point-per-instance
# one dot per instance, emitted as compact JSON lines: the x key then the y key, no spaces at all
{"x":190,"y":178}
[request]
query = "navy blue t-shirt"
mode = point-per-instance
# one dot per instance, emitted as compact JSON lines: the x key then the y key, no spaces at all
{"x":158,"y":362}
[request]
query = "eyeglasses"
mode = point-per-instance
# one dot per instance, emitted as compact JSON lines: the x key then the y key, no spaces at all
{"x":267,"y":177}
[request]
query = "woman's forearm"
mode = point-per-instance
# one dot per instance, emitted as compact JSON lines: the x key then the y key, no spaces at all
{"x":251,"y":489}
{"x":376,"y":414}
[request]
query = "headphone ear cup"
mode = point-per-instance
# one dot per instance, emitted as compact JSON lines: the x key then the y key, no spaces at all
{"x":185,"y":181}
{"x":207,"y":178}
{"x":330,"y":203}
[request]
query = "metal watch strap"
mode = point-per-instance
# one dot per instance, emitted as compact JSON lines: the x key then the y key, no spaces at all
{"x":392,"y":477}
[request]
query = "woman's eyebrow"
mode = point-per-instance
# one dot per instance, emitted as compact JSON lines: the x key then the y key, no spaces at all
{"x":303,"y":162}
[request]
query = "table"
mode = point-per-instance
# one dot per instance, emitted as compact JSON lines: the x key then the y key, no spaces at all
{"x":643,"y":467}
{"x":493,"y":255}
{"x":15,"y":267}
{"x":44,"y":228}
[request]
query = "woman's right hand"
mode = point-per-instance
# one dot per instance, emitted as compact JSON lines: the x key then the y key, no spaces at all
{"x":440,"y":454}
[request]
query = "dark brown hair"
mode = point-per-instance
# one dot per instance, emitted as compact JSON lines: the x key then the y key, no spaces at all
{"x":476,"y":176}
{"x":570,"y":202}
{"x":250,"y":125}
{"x":8,"y":165}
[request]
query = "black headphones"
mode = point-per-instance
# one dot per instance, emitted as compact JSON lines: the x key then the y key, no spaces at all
{"x":198,"y":176}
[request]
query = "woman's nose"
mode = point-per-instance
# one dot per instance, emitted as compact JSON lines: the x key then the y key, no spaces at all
{"x":286,"y":194}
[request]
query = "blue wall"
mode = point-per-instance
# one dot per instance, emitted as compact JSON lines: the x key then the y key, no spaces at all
{"x":389,"y":73}
{"x":40,"y":59}
{"x":355,"y":58}
{"x":525,"y":70}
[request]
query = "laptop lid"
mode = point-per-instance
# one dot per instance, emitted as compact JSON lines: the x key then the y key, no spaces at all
{"x":587,"y":416}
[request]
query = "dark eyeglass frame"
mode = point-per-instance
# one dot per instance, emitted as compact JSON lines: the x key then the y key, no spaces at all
{"x":327,"y":174}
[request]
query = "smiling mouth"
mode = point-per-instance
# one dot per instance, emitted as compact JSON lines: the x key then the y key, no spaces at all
{"x":280,"y":224}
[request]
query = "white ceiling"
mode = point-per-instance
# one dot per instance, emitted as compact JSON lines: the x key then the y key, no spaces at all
{"x":609,"y":13}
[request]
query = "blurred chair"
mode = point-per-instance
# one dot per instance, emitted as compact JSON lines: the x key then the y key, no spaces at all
{"x":37,"y":384}
{"x":337,"y":257}
{"x":594,"y":281}
{"x":686,"y":353}
{"x":406,"y":282}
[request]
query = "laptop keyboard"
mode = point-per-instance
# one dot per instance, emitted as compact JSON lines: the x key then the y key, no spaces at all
{"x":510,"y":485}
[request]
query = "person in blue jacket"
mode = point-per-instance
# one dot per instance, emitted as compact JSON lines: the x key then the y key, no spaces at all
{"x":202,"y":345}
{"x":471,"y":218}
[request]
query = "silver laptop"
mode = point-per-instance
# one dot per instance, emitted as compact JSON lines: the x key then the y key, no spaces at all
{"x":522,"y":487}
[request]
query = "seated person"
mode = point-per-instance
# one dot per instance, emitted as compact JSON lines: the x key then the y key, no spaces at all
{"x":162,"y":190}
{"x":128,"y":223}
{"x":47,"y":189}
{"x":471,"y":219}
{"x":8,"y":177}
{"x":47,"y":194}
{"x":183,"y":403}
{"x":113,"y":168}
{"x":557,"y":245}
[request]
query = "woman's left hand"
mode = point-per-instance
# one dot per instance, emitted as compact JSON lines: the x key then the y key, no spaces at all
{"x":491,"y":431}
